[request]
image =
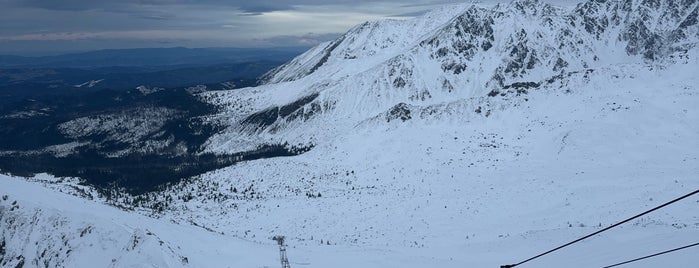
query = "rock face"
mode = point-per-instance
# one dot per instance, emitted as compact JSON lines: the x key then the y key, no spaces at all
{"x":455,"y":54}
{"x":549,"y":37}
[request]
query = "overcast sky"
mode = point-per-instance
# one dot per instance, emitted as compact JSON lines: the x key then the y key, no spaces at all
{"x":35,"y":27}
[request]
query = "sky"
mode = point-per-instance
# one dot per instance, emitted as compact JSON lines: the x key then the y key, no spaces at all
{"x":42,"y":27}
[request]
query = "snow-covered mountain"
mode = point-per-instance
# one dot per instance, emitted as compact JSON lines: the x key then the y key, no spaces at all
{"x":456,"y":58}
{"x":472,"y":136}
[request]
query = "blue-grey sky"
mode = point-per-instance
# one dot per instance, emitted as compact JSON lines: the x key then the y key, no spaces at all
{"x":34,"y":27}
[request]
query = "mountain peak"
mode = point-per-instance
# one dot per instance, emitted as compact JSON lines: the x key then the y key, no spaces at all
{"x":530,"y":7}
{"x":471,"y":51}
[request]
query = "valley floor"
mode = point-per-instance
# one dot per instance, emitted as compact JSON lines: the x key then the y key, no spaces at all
{"x":41,"y":226}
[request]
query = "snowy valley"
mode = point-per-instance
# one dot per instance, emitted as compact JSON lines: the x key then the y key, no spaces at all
{"x":471,"y":136}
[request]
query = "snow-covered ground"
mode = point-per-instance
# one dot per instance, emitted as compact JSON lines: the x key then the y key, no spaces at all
{"x":489,"y":138}
{"x":494,"y":191}
{"x":485,"y":190}
{"x":39,"y":227}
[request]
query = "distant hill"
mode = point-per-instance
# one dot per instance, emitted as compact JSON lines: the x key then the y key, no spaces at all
{"x":120,"y":69}
{"x":152,"y":57}
{"x":33,"y":82}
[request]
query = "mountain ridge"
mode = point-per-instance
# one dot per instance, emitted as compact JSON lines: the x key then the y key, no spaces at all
{"x":476,"y":53}
{"x":150,"y":57}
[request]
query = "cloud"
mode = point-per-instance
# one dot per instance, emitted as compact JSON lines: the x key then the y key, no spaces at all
{"x":309,"y":39}
{"x":153,"y":15}
{"x":73,"y":5}
{"x":257,"y":7}
{"x":74,"y":36}
{"x":246,"y":6}
{"x":412,"y":14}
{"x":69,"y":24}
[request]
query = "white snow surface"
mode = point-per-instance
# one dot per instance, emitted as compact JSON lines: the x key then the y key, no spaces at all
{"x":446,"y":62}
{"x":464,"y":178}
{"x":40,"y":227}
{"x":90,"y":83}
{"x":483,"y":191}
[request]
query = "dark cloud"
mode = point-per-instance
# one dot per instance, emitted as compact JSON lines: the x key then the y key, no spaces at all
{"x":153,"y":15}
{"x":45,"y":25}
{"x":72,"y":5}
{"x":246,"y":6}
{"x":257,"y":8}
{"x":412,"y":14}
{"x":250,"y":6}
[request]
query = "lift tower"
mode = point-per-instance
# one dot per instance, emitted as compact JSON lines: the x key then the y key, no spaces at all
{"x":282,"y":251}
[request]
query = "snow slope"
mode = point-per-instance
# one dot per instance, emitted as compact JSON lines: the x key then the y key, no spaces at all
{"x":520,"y":181}
{"x":40,"y":227}
{"x":480,"y":138}
{"x":497,"y":121}
{"x":488,"y":57}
